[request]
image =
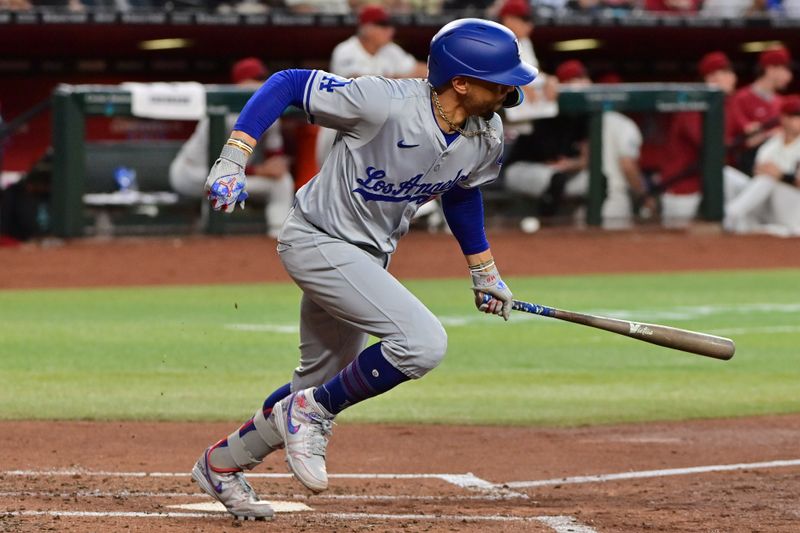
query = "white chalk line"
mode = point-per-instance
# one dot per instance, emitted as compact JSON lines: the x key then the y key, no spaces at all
{"x":467,"y":481}
{"x":471,"y":482}
{"x":649,"y":474}
{"x":561,"y":524}
{"x":315,"y":497}
{"x":106,"y":473}
{"x":113,"y":514}
{"x":565,"y":524}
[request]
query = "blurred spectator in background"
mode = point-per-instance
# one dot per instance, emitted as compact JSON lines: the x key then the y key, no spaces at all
{"x":486,"y":8}
{"x":791,"y":8}
{"x":672,"y":7}
{"x":729,"y":8}
{"x":626,"y":188}
{"x":552,"y":163}
{"x":268,"y":177}
{"x":771,"y":201}
{"x":681,"y":179}
{"x":540,"y":95}
{"x":15,"y":5}
{"x":614,"y":7}
{"x":754,"y":109}
{"x":371,"y":51}
{"x":548,"y":163}
{"x":430,"y":7}
{"x":336,"y":7}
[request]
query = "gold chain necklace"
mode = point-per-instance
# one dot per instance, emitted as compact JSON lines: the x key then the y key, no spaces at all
{"x":471,"y":133}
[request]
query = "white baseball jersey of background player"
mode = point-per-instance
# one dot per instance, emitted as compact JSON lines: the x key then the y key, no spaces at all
{"x":350,"y":59}
{"x":767,"y":204}
{"x":621,"y":139}
{"x":390,"y":158}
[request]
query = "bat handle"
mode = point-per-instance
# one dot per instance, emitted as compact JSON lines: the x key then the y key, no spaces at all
{"x":527,"y":307}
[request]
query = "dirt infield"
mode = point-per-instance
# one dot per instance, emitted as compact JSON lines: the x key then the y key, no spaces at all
{"x":714,"y":475}
{"x":78,"y":467}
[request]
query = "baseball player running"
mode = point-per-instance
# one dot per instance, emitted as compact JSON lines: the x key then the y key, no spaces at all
{"x":400,"y":144}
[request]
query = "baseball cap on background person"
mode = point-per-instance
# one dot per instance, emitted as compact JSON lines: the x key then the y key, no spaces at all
{"x":712,"y":62}
{"x":791,"y":105}
{"x":516,"y":8}
{"x":778,"y":56}
{"x":374,"y":14}
{"x":570,"y":70}
{"x":249,"y":68}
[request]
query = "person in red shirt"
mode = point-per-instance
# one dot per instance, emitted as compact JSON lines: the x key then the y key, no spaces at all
{"x":755,"y":109}
{"x":680,"y":173}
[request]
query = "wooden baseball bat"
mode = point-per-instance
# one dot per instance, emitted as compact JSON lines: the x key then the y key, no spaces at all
{"x":669,"y":337}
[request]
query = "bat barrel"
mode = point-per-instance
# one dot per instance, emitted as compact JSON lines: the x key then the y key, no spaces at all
{"x":669,"y":337}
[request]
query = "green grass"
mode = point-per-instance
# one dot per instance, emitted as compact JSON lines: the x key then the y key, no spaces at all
{"x":166,"y":354}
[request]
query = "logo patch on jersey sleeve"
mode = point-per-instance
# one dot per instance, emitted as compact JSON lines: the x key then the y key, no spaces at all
{"x":329,"y":83}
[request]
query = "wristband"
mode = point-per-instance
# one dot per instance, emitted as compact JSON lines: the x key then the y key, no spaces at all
{"x":241,"y":145}
{"x":482,"y":266}
{"x":789,"y":179}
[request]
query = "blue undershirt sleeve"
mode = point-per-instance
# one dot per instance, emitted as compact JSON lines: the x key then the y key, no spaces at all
{"x":282,"y":89}
{"x":463,"y":209}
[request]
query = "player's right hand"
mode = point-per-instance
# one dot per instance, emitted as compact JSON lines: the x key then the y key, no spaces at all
{"x":226,"y":182}
{"x":488,"y":283}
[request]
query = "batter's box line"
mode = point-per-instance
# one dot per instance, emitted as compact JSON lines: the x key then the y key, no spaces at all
{"x":468,"y":481}
{"x":559,"y":523}
{"x":642,"y":474}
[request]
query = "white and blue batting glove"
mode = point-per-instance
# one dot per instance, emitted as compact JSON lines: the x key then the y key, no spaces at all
{"x":488,"y":283}
{"x":226,"y":181}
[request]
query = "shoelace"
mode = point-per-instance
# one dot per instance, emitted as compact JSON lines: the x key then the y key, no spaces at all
{"x":248,"y":489}
{"x":319,"y":433}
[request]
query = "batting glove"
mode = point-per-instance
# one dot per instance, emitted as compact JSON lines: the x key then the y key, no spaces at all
{"x":226,"y":181}
{"x":487,"y":282}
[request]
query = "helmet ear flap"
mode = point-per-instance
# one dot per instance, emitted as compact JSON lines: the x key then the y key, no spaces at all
{"x":514,"y":98}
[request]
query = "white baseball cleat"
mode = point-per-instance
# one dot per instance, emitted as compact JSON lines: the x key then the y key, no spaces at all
{"x":232,"y":490}
{"x":305,"y":428}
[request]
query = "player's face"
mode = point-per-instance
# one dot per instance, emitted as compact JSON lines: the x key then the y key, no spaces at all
{"x":484,"y":98}
{"x":780,"y":76}
{"x":791,"y":125}
{"x":520,"y":27}
{"x":724,"y":79}
{"x":380,"y":34}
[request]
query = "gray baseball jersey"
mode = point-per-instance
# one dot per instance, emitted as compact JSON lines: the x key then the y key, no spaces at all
{"x":389,"y":157}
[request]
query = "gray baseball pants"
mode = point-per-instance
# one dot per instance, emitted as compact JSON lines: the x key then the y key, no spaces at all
{"x":347,"y":296}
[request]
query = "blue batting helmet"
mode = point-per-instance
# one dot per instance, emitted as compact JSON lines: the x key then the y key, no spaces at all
{"x":479,"y":49}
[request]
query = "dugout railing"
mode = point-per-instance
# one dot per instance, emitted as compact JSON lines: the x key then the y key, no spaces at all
{"x":72,"y":104}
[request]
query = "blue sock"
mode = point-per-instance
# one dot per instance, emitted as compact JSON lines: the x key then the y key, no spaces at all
{"x":275,"y":397}
{"x":370,"y":374}
{"x":269,"y":403}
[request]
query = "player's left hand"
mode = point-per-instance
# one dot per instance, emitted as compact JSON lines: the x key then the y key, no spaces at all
{"x":488,"y":282}
{"x":226,"y":181}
